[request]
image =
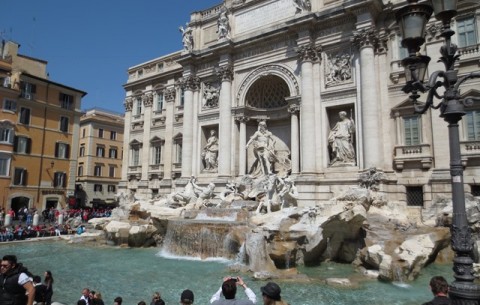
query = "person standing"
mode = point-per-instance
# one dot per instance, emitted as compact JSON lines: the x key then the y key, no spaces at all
{"x":439,"y":287}
{"x":48,"y":281}
{"x":40,"y":290}
{"x":271,"y":294}
{"x":186,"y":298}
{"x":229,"y":290}
{"x":16,"y":281}
{"x":157,"y":299}
{"x":85,"y":296}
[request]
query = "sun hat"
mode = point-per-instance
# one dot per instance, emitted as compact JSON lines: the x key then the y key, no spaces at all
{"x":272,"y":291}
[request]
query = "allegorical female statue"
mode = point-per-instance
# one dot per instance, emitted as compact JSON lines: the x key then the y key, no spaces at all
{"x":210,"y":152}
{"x":340,"y":140}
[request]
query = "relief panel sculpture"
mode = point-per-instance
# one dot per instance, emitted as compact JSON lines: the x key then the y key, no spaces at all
{"x":338,"y":68}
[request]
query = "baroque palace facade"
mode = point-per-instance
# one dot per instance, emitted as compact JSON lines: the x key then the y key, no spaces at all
{"x":323,"y":78}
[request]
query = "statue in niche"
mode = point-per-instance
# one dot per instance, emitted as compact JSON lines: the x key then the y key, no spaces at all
{"x":187,"y":37}
{"x":263,"y":149}
{"x":302,"y":5}
{"x":223,"y":25}
{"x":288,"y":195}
{"x":341,"y":139}
{"x":210,"y":153}
{"x":210,"y":96}
{"x":339,"y":69}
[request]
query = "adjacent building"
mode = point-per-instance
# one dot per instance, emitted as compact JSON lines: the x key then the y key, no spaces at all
{"x":305,"y":69}
{"x":99,"y":156}
{"x":39,"y":127}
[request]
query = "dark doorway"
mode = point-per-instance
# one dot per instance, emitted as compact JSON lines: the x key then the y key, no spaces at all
{"x":51,"y":204}
{"x":19,"y":202}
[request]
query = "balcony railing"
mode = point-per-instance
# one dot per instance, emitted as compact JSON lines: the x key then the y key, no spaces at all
{"x":419,"y":154}
{"x":469,"y":150}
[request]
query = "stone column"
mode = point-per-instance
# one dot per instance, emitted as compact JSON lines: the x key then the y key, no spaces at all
{"x":188,"y":84}
{"x":126,"y":140}
{"x":169,"y":95}
{"x":307,"y":54}
{"x":225,"y":128}
{"x":384,"y":120}
{"x":147,"y":100}
{"x":294,"y":109}
{"x":365,"y":40}
{"x":196,"y":132}
{"x":242,"y":151}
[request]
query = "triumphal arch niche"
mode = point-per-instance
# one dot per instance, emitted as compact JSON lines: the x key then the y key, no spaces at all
{"x":266,"y":99}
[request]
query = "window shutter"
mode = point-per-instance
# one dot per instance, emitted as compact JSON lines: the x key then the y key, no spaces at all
{"x":29,"y":145}
{"x":25,"y":176}
{"x":34,"y":88}
{"x":15,"y":144}
{"x":64,"y":175}
{"x":55,"y":180}
{"x":67,"y":151}
{"x":56,"y":150}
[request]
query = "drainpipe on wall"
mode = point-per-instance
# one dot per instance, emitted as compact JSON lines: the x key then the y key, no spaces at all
{"x":43,"y":148}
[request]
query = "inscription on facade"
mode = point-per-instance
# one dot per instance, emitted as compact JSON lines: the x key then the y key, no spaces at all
{"x":261,"y":16}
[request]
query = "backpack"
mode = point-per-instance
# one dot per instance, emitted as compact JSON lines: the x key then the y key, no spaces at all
{"x":40,"y":293}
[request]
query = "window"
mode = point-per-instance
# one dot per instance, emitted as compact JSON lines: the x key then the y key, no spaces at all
{"x":82,"y":151}
{"x":182,"y":97}
{"x":100,"y":151}
{"x":25,"y":116}
{"x":4,"y":164}
{"x":178,"y":150}
{"x":112,"y":188}
{"x":28,"y":90}
{"x":64,"y":124}
{"x":475,"y":190}
{"x":138,"y":108}
{"x":411,"y":125}
{"x":62,"y":150}
{"x":83,"y":133}
{"x":100,"y":133}
{"x":22,"y":145}
{"x":97,"y":188}
{"x":20,"y":176}
{"x":414,"y":196}
{"x":157,"y":154}
{"x":159,"y":101}
{"x":135,"y":156}
{"x":112,"y":153}
{"x":6,"y":135}
{"x":97,"y":171}
{"x":60,"y":179}
{"x":113,"y":135}
{"x":80,"y":171}
{"x":473,"y":125}
{"x":466,"y":32}
{"x":111,"y":171}
{"x":9,"y":105}
{"x":66,"y":101}
{"x":402,"y":52}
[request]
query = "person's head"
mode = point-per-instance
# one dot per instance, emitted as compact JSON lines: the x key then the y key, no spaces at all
{"x":86,"y":292}
{"x":142,"y":303}
{"x":37,"y":279}
{"x":271,"y":293}
{"x":438,"y":284}
{"x":8,"y":263}
{"x":97,"y":295}
{"x":186,"y":298}
{"x":81,"y":302}
{"x":229,"y":289}
{"x":48,"y":274}
{"x":118,"y":301}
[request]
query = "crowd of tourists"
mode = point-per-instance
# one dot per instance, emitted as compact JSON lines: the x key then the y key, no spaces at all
{"x":20,"y":287}
{"x":51,"y":222}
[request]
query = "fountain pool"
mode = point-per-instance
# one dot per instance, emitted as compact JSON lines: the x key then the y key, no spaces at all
{"x":135,"y":273}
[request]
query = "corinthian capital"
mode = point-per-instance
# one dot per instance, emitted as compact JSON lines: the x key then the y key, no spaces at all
{"x":294,"y":109}
{"x":190,"y":82}
{"x":309,"y":52}
{"x":147,"y":99}
{"x":225,"y":73}
{"x":169,"y":95}
{"x":128,"y":104}
{"x":365,"y":38}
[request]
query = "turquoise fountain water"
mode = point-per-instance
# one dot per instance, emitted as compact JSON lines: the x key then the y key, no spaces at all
{"x":136,"y":273}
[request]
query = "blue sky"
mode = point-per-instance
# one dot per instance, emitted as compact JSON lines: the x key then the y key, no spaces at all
{"x":89,"y":45}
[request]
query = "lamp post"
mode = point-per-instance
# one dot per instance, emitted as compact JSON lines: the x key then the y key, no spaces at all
{"x":412,"y":19}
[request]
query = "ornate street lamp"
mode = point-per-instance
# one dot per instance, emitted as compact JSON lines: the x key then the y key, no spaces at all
{"x":412,"y":20}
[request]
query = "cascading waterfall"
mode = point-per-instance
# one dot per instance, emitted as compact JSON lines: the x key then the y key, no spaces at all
{"x":203,"y":239}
